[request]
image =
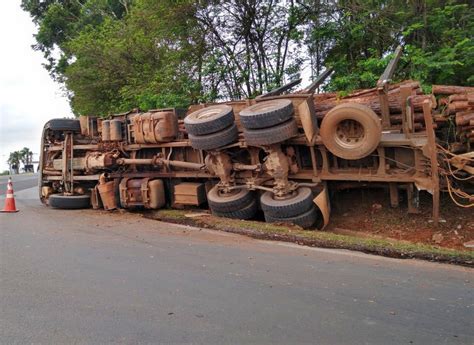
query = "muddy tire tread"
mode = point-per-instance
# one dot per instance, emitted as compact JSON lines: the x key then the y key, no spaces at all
{"x":252,"y":118}
{"x":305,"y":220}
{"x":215,"y":140}
{"x":271,"y":135}
{"x":223,"y":205}
{"x":212,"y":125}
{"x":63,"y":125}
{"x":247,"y":212}
{"x":301,"y":203}
{"x":69,"y":202}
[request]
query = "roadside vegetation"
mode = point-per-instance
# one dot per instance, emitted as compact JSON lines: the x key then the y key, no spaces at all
{"x":115,"y":55}
{"x":17,"y":158}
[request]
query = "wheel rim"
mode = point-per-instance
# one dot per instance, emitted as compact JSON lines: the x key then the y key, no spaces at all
{"x":288,"y":196}
{"x":349,"y":134}
{"x":233,"y":192}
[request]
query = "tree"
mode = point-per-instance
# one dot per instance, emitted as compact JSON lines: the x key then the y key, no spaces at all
{"x":252,"y":46}
{"x":26,"y":157}
{"x":14,"y":161}
{"x":59,"y":21}
{"x":356,"y":37}
{"x":115,"y":55}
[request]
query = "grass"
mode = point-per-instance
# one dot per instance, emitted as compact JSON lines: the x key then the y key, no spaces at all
{"x":261,"y":230}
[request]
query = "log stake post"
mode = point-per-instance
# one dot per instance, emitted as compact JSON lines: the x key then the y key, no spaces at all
{"x":382,"y":87}
{"x":407,"y":116}
{"x":384,"y":107}
{"x":433,"y":158}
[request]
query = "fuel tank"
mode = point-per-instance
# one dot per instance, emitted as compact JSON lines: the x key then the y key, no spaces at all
{"x":155,"y":127}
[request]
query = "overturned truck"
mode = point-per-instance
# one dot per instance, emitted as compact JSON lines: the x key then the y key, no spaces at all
{"x":279,"y":153}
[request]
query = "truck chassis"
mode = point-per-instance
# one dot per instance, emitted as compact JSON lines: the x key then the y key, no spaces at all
{"x":268,"y":153}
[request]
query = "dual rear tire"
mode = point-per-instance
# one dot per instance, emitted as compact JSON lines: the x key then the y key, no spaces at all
{"x":268,"y":122}
{"x":238,"y":204}
{"x":297,"y":209}
{"x":212,"y":127}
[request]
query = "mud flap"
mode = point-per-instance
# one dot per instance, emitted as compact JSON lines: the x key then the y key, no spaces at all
{"x":322,"y":201}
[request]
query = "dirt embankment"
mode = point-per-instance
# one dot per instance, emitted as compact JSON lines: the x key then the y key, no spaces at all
{"x":361,"y":220}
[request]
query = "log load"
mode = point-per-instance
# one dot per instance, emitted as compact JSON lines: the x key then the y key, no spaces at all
{"x":323,"y":103}
{"x":451,"y":89}
{"x":454,"y":106}
{"x":460,"y":109}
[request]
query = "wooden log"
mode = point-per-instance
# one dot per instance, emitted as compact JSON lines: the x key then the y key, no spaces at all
{"x":397,"y":119}
{"x":418,"y":126}
{"x":469,"y":97}
{"x":457,"y":106}
{"x":394,"y":103}
{"x":463,"y":129}
{"x":450,"y":89}
{"x":440,"y":118}
{"x":394,"y":88}
{"x":319,"y":97}
{"x":464,"y":119}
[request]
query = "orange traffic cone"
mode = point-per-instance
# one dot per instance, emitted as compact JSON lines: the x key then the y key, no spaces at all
{"x":10,"y":199}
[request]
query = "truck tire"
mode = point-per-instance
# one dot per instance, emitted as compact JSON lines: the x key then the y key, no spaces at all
{"x":69,"y":201}
{"x":227,"y":203}
{"x":209,"y":120}
{"x":266,"y":114}
{"x":63,"y":125}
{"x":351,"y":131}
{"x":215,"y":140}
{"x":246,"y":212}
{"x":304,"y":220}
{"x":300,"y":202}
{"x":271,"y":135}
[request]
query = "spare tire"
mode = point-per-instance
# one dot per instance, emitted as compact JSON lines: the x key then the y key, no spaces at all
{"x":271,"y":135}
{"x":209,"y":120}
{"x":351,"y":131}
{"x":69,"y":201}
{"x":266,"y":114}
{"x":63,"y":125}
{"x":215,"y":140}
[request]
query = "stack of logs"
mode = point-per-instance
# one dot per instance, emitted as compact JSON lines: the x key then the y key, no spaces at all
{"x":457,"y":103}
{"x":326,"y":101}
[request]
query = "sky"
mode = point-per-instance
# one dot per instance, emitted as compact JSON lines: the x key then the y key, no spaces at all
{"x":28,"y":95}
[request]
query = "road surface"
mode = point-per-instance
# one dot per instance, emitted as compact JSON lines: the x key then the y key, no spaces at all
{"x":93,"y":277}
{"x":20,"y":182}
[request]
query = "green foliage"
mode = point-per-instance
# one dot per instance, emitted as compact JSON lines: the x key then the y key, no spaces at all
{"x":449,"y":47}
{"x":356,"y":36}
{"x":114,"y":55}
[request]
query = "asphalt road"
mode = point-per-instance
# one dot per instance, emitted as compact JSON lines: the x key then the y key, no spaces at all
{"x":92,"y":277}
{"x":20,"y":182}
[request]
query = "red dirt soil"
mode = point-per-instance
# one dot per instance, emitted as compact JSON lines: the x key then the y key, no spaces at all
{"x":367,"y":213}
